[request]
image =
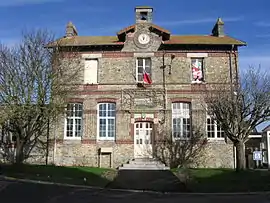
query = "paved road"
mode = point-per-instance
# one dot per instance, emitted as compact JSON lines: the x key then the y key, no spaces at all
{"x":21,"y":192}
{"x":153,"y":180}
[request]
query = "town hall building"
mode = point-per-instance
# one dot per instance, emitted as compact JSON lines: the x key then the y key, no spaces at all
{"x":139,"y":86}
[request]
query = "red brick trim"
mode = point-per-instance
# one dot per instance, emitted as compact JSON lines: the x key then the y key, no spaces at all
{"x":180,"y":100}
{"x":144,"y":119}
{"x":90,"y":86}
{"x":168,"y":54}
{"x":113,"y":100}
{"x":88,"y":141}
{"x":117,"y":54}
{"x":124,"y":142}
{"x":85,"y":92}
{"x":218,"y":54}
{"x":75,"y":100}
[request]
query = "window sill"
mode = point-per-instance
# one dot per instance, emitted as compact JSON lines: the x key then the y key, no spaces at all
{"x":144,"y":85}
{"x":197,"y":82}
{"x":72,"y":138}
{"x":106,"y":139}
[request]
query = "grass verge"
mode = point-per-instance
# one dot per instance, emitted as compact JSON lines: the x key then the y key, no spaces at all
{"x":224,"y":180}
{"x":90,"y":176}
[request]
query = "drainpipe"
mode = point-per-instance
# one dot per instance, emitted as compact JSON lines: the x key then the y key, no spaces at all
{"x":164,"y":86}
{"x":232,"y":95}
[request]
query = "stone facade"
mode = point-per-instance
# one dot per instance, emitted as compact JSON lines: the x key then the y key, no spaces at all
{"x":117,"y":84}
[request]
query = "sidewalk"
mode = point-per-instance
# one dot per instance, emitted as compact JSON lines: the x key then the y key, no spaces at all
{"x":147,"y":180}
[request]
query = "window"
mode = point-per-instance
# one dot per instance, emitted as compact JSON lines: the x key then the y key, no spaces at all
{"x":214,"y":130}
{"x":181,"y":120}
{"x":106,"y":121}
{"x":90,"y":71}
{"x":73,"y":128}
{"x":197,"y":69}
{"x":143,"y":65}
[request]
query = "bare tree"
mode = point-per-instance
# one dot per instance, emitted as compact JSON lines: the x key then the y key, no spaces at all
{"x":178,"y":153}
{"x":241,"y":108}
{"x":34,"y":84}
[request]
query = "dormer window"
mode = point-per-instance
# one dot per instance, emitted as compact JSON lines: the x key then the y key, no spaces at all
{"x":143,"y":16}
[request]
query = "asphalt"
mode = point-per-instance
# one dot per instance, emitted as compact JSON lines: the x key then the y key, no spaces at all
{"x":148,"y":180}
{"x":12,"y":191}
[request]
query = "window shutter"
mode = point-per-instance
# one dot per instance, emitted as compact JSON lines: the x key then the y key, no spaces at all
{"x":90,"y":71}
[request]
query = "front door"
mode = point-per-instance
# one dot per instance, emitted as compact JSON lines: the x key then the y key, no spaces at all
{"x":143,"y":140}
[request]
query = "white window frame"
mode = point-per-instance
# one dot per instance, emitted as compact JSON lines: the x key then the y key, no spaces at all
{"x":74,"y":123}
{"x":216,"y":130}
{"x":144,"y":66}
{"x":181,"y":113}
{"x":107,"y":118}
{"x":203,"y":75}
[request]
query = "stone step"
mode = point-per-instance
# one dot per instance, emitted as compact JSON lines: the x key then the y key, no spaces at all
{"x":142,"y":168}
{"x":144,"y":165}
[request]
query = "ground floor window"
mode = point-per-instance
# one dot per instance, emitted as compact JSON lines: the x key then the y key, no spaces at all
{"x":106,"y":121}
{"x":213,"y":129}
{"x":73,"y":124}
{"x":181,"y":120}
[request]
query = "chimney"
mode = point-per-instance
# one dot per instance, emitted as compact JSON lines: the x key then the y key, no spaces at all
{"x":71,"y":30}
{"x":144,"y":14}
{"x":218,"y":30}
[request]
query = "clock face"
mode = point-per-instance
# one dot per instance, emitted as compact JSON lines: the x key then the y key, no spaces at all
{"x":144,"y":38}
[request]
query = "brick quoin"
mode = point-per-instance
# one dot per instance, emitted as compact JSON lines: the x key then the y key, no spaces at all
{"x":117,"y":54}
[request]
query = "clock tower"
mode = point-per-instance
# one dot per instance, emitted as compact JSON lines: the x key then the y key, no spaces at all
{"x":143,"y":36}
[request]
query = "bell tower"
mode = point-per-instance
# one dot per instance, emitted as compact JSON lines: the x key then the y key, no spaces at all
{"x":144,"y":14}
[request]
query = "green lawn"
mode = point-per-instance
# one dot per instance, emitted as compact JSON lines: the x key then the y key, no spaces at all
{"x":224,"y":180}
{"x":70,"y":175}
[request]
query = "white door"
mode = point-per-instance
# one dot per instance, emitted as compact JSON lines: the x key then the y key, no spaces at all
{"x":143,"y":140}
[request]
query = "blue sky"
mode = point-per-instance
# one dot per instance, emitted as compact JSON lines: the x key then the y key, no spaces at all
{"x":245,"y":20}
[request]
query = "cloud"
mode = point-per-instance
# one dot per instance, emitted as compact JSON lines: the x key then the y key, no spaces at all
{"x":262,"y":24}
{"x":200,"y":21}
{"x":9,"y":3}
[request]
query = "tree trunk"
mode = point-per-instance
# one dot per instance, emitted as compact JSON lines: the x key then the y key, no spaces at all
{"x":19,"y":153}
{"x":240,"y":156}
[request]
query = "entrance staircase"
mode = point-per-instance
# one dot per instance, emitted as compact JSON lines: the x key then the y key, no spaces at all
{"x":144,"y":164}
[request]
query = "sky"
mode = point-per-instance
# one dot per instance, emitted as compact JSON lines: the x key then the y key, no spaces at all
{"x":246,"y":20}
